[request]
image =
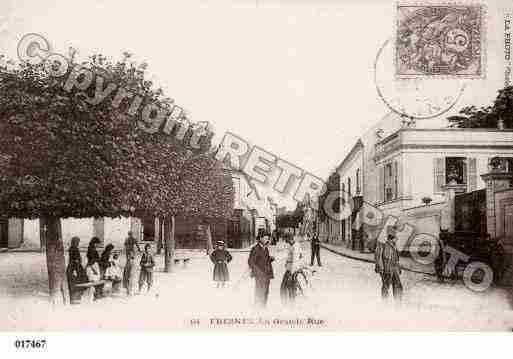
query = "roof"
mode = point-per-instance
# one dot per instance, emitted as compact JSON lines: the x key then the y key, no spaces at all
{"x":356,"y":147}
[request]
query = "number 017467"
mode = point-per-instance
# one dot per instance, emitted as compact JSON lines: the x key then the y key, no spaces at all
{"x":30,"y":343}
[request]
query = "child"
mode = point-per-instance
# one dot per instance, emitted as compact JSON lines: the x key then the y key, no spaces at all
{"x":147,"y":264}
{"x":94,"y":275}
{"x":113,"y":272}
{"x":221,"y":257}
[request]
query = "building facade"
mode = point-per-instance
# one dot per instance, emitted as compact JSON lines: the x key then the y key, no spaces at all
{"x":411,"y":173}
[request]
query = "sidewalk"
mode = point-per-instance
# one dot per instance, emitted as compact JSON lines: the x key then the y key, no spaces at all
{"x":407,"y":263}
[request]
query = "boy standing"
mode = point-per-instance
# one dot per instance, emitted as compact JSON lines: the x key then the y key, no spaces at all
{"x":147,"y":264}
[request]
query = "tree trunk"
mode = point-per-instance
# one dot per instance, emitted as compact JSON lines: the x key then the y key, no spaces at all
{"x":210,"y":243}
{"x":160,"y":239}
{"x":55,"y":261}
{"x":42,"y":234}
{"x":169,"y":243}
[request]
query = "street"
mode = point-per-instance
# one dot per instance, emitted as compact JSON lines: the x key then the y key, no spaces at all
{"x":345,"y":294}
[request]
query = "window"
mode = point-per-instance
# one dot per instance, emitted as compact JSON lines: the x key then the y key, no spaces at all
{"x":389,"y":181}
{"x":455,"y":170}
{"x":358,"y":189}
{"x":238,"y":191}
{"x":343,"y":191}
{"x":349,"y":186}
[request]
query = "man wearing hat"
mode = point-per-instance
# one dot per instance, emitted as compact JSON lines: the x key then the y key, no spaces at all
{"x":260,"y":264}
{"x":387,"y":264}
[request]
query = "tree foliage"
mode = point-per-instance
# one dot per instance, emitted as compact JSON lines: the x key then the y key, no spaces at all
{"x":487,"y":116}
{"x":291,"y":219}
{"x":63,"y":155}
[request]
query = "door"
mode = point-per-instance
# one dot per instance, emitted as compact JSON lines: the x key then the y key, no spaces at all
{"x":4,"y":233}
{"x":148,"y":224}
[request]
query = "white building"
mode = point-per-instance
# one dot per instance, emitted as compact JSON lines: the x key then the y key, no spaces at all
{"x":395,"y":165}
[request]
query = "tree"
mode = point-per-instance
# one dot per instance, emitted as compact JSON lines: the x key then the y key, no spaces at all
{"x":204,"y":190}
{"x":64,"y":155}
{"x":487,"y":116}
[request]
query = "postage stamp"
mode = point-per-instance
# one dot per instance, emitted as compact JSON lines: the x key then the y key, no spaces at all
{"x":440,"y":41}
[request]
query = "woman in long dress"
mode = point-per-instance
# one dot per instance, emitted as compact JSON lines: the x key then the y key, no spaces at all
{"x":221,"y":257}
{"x":75,"y":272}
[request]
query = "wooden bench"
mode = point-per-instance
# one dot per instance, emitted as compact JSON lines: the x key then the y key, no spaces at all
{"x":185,"y":260}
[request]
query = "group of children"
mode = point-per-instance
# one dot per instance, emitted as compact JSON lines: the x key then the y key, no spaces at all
{"x":107,"y":266}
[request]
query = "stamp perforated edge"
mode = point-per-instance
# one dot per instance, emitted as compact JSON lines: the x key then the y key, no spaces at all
{"x":483,"y":47}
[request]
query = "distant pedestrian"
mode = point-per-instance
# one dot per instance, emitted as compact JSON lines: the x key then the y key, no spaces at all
{"x":130,"y":244}
{"x":315,"y":247}
{"x":387,"y":264}
{"x":221,"y":257}
{"x":260,"y":263}
{"x":147,"y":263}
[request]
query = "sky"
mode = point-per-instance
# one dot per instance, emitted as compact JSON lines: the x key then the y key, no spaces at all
{"x":293,"y":77}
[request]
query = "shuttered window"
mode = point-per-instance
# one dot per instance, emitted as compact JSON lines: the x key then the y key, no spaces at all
{"x":395,"y":180}
{"x":472,"y":174}
{"x":439,"y":174}
{"x":358,"y":188}
{"x":381,"y":184}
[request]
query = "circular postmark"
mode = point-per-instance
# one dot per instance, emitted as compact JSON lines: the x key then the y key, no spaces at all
{"x":418,"y":98}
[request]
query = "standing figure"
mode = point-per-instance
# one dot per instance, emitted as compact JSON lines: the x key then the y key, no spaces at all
{"x":147,"y":263}
{"x":221,"y":257}
{"x":130,"y":244}
{"x":94,"y":257}
{"x":294,"y":262}
{"x":387,"y":264}
{"x":75,"y":272}
{"x":129,"y":273}
{"x":315,"y":248}
{"x":260,"y":263}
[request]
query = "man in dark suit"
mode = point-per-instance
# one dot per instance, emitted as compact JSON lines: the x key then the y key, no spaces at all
{"x":260,"y":263}
{"x":315,"y":247}
{"x":388,"y":265}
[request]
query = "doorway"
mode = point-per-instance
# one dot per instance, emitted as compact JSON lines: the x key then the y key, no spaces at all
{"x":4,"y":233}
{"x":148,"y":228}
